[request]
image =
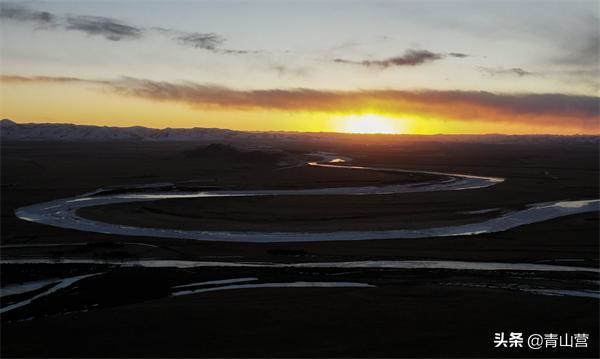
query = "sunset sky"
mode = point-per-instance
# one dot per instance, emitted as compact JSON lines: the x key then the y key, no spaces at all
{"x":345,"y":66}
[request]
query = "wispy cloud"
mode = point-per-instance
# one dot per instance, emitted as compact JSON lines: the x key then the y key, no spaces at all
{"x":540,"y":109}
{"x":44,"y":79}
{"x":515,"y":71}
{"x":208,"y":41}
{"x":108,"y":28}
{"x":410,"y":57}
{"x":457,"y":54}
{"x":243,"y":52}
{"x":16,"y":12}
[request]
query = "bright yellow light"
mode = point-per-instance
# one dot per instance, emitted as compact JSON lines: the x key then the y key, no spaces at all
{"x":371,"y":124}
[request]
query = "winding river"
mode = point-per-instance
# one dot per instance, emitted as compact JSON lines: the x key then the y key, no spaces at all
{"x":63,"y":212}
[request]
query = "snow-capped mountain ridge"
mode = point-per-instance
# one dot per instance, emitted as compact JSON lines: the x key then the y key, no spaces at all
{"x":12,"y":131}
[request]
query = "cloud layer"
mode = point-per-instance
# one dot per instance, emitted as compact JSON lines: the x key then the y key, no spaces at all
{"x":535,"y":109}
{"x":110,"y":29}
{"x":20,"y":13}
{"x":202,"y":41}
{"x":515,"y":71}
{"x":411,"y":57}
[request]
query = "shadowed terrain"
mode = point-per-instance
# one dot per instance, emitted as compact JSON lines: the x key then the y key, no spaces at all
{"x":131,"y":310}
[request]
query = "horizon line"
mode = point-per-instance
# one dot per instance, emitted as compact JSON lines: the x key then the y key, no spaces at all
{"x":304,"y":132}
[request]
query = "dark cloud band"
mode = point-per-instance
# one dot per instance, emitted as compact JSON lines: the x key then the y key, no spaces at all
{"x":536,"y":109}
{"x":108,"y":28}
{"x":410,"y":57}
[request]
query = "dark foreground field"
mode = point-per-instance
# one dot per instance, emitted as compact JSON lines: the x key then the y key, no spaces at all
{"x":129,"y":311}
{"x":408,"y":314}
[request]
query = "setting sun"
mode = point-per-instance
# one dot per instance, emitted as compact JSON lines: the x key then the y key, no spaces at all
{"x":371,"y":124}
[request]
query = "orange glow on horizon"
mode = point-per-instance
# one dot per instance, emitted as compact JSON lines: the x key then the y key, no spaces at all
{"x":84,"y":104}
{"x":370,"y":123}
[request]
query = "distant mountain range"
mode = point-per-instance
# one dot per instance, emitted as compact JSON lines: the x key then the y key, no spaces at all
{"x":12,"y":131}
